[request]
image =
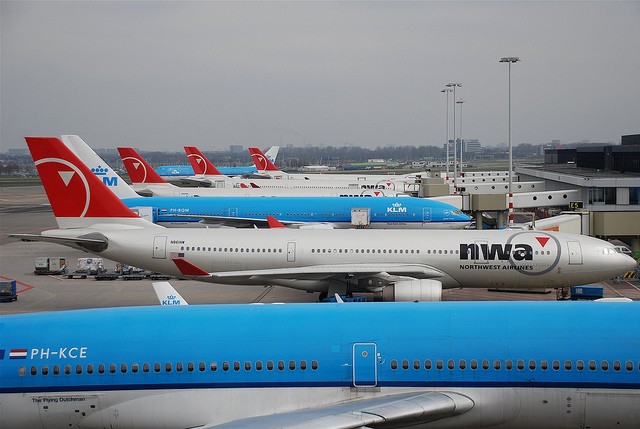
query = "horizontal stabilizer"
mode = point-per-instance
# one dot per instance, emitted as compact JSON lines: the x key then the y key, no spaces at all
{"x":98,"y":243}
{"x":188,"y":269}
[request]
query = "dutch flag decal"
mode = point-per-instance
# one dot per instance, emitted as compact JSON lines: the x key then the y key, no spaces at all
{"x":18,"y":354}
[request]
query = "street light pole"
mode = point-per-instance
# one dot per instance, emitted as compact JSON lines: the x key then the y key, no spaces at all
{"x":447,"y":90}
{"x":510,"y":60}
{"x":455,"y":163}
{"x":460,"y":102}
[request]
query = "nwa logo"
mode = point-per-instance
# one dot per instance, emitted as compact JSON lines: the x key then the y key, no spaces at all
{"x":396,"y":208}
{"x":519,"y":251}
{"x":496,"y":251}
{"x":102,"y":172}
{"x":199,"y":162}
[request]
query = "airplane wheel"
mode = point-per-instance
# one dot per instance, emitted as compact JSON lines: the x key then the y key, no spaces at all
{"x":323,"y":295}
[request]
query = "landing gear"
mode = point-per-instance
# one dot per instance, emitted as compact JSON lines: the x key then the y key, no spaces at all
{"x":323,"y":296}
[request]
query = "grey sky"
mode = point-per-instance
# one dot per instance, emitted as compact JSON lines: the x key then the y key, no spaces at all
{"x":160,"y":75}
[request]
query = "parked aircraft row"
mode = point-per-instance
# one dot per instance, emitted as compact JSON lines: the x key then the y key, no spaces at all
{"x":394,"y":264}
{"x":172,"y":172}
{"x":310,"y":212}
{"x":146,"y":181}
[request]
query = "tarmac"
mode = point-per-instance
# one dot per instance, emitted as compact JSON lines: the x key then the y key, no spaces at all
{"x":25,"y":209}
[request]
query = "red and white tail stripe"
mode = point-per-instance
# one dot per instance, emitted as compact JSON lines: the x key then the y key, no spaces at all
{"x":200,"y":163}
{"x":138,"y":169}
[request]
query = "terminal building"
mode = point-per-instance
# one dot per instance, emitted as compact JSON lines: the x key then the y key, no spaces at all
{"x":607,"y":181}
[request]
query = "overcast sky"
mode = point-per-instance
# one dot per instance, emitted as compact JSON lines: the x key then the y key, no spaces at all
{"x":161,"y":75}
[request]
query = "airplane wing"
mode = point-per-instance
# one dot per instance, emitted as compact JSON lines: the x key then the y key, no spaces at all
{"x":194,"y":181}
{"x":402,"y":409}
{"x":388,"y":273}
{"x":247,"y":222}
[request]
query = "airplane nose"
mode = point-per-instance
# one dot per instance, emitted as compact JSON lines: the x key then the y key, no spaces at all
{"x":629,"y":263}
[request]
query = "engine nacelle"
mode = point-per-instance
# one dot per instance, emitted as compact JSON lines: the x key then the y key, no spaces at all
{"x":412,"y":290}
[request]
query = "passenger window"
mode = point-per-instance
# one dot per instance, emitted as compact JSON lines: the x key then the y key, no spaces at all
{"x":123,"y":368}
{"x":179,"y":367}
{"x":100,"y":369}
{"x":45,"y":370}
{"x":167,"y":367}
{"x":314,"y":365}
{"x":112,"y":368}
{"x":90,"y":368}
{"x":34,"y":370}
{"x":281,"y":365}
{"x":439,"y":364}
{"x":485,"y":364}
{"x":520,"y":364}
{"x":213,"y":366}
{"x":450,"y":364}
{"x":247,"y":366}
{"x":555,"y":365}
{"x":567,"y":365}
{"x":592,"y":365}
{"x":405,"y":364}
{"x":544,"y":365}
{"x":156,"y":367}
{"x":579,"y":365}
{"x":473,"y":364}
{"x":616,"y":365}
{"x":78,"y":369}
{"x":292,"y":365}
{"x":532,"y":365}
{"x":416,"y":364}
{"x":604,"y":365}
{"x":462,"y":364}
{"x":202,"y":367}
{"x":269,"y":365}
{"x":427,"y":364}
{"x":303,"y":365}
{"x":259,"y":365}
{"x":56,"y":370}
{"x":629,"y":365}
{"x":225,"y":366}
{"x":508,"y":364}
{"x":67,"y":369}
{"x":22,"y":371}
{"x":496,"y":364}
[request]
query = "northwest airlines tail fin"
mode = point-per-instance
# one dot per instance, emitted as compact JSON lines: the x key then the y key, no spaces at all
{"x":138,"y":169}
{"x":100,"y":168}
{"x":261,"y":162}
{"x":78,"y":198}
{"x":200,"y":163}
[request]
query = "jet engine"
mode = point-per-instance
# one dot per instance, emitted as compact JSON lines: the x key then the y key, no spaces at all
{"x":412,"y":290}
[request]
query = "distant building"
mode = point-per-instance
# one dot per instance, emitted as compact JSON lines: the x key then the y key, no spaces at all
{"x":236,"y":148}
{"x":471,"y":146}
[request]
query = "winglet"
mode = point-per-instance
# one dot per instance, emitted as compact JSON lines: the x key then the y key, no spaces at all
{"x":188,"y":269}
{"x":261,"y":162}
{"x":200,"y":163}
{"x":138,"y":169}
{"x":274,"y":223}
{"x":167,"y":295}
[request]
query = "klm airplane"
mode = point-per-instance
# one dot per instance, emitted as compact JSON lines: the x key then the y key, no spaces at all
{"x":306,"y":212}
{"x":500,"y":365}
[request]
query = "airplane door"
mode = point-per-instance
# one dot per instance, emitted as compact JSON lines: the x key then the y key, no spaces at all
{"x":159,"y":247}
{"x":233,"y":212}
{"x":365,"y":365}
{"x":291,"y":251}
{"x":575,"y":253}
{"x":426,"y":214}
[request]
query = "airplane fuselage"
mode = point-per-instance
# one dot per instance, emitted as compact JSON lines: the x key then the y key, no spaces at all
{"x":515,"y":365}
{"x":457,"y":258}
{"x":398,"y":212}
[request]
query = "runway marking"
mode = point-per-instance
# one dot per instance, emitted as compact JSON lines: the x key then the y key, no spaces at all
{"x":25,"y":287}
